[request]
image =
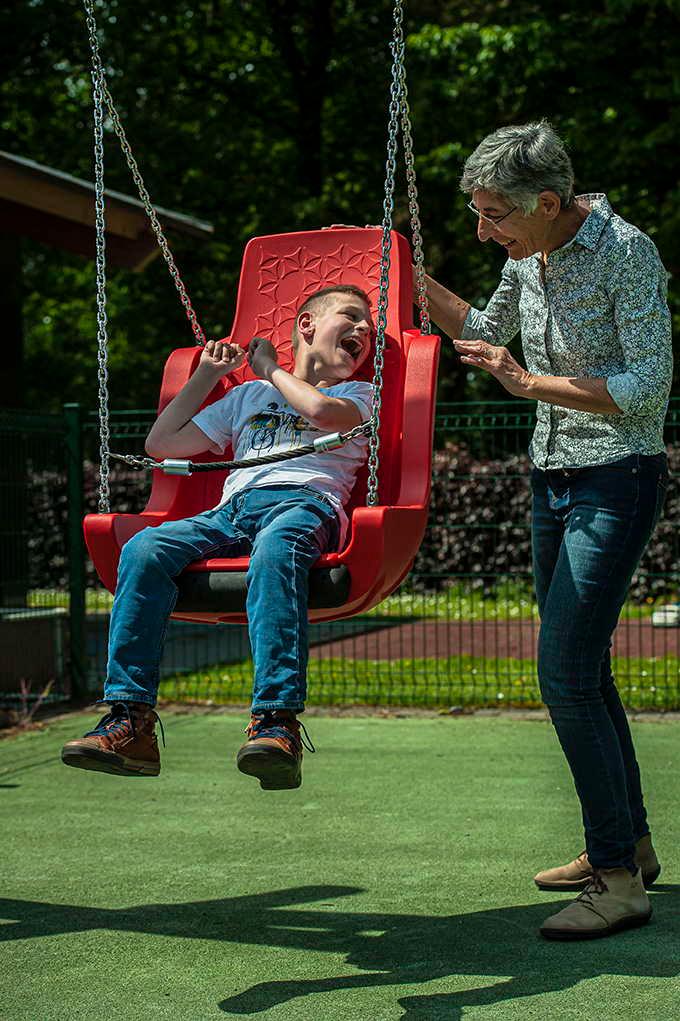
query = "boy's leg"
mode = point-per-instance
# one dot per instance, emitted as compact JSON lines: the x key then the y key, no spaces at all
{"x":294,"y":527}
{"x":124,"y":741}
{"x":146,"y":594}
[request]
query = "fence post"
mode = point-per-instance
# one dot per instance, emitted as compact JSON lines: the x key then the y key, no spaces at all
{"x":76,"y":546}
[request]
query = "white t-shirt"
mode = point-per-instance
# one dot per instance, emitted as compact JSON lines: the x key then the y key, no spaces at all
{"x":256,"y":420}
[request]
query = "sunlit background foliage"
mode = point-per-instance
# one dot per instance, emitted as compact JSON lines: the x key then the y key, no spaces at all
{"x":263,"y":116}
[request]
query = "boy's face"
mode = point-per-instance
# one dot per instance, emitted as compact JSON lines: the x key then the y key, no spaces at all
{"x":338,"y":335}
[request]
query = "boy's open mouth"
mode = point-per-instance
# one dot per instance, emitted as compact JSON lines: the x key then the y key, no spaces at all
{"x":353,"y":347}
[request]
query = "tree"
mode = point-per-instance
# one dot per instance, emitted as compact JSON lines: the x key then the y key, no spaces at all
{"x":270,"y":115}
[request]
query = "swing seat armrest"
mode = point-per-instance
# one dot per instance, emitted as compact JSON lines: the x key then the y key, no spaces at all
{"x":105,"y":534}
{"x":381,"y":550}
{"x":420,"y":385}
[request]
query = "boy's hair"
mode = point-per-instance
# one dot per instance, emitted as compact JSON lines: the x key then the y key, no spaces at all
{"x":317,"y":302}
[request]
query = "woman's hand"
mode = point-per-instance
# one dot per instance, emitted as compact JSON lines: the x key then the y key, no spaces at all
{"x":353,"y":226}
{"x":498,"y":362}
{"x":220,"y":357}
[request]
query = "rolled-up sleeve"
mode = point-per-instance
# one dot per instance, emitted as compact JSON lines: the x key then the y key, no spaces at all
{"x":643,"y":325}
{"x":499,"y":322}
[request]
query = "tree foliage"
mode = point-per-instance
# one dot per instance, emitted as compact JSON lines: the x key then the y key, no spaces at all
{"x":270,"y":115}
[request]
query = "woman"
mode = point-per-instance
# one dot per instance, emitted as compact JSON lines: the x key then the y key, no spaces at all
{"x":587,"y":291}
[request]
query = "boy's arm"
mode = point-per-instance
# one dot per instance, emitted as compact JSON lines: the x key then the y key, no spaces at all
{"x":173,"y":434}
{"x":330,"y":414}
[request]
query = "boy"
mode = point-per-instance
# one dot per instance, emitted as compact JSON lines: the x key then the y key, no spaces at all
{"x":284,"y":515}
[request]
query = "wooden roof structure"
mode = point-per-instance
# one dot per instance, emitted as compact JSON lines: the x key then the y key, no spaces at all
{"x":57,"y":209}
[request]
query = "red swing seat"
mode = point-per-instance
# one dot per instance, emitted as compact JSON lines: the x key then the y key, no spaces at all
{"x":278,"y":273}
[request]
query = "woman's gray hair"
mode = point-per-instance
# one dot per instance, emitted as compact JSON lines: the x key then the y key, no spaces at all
{"x":519,"y":162}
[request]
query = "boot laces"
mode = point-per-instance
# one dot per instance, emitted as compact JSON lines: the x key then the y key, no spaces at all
{"x":595,"y":887}
{"x":271,"y":724}
{"x":306,"y":739}
{"x":119,"y":718}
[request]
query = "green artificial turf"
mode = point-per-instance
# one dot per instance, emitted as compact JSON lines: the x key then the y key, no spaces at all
{"x":395,"y":884}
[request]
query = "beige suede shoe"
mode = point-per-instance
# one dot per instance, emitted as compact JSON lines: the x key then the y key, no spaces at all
{"x":612,"y":901}
{"x":578,"y":873}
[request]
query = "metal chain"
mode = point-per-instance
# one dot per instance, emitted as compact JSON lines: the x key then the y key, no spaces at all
{"x":101,"y":94}
{"x":388,"y":209}
{"x":196,"y":327}
{"x":414,"y":208}
{"x":398,"y":108}
{"x":100,"y":243}
{"x":103,"y":91}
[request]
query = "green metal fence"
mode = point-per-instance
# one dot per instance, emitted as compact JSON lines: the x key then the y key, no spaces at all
{"x":460,"y":631}
{"x":39,"y":640}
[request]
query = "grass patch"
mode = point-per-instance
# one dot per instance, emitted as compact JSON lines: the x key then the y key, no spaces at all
{"x":464,"y":681}
{"x":97,"y":600}
{"x":459,"y":601}
{"x":509,"y":600}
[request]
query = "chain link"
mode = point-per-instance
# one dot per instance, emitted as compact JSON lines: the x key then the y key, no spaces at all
{"x":398,"y":109}
{"x":413,"y":206}
{"x":100,"y":258}
{"x":386,"y":248}
{"x":153,"y":218}
{"x":101,"y":95}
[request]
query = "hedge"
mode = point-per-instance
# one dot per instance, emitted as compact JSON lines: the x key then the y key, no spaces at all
{"x":478,"y":527}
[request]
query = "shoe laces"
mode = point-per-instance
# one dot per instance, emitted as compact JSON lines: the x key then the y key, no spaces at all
{"x":271,"y":724}
{"x":119,"y":718}
{"x":596,"y":886}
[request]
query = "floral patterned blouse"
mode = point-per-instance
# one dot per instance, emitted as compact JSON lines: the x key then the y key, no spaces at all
{"x":598,"y":311}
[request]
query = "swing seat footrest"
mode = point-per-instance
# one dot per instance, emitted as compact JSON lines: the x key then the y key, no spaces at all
{"x":225,"y":591}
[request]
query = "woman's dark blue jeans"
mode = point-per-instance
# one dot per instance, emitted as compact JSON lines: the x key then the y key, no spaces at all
{"x":590,"y":527}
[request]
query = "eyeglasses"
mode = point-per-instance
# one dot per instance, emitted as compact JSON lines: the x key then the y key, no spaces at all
{"x":493,"y":220}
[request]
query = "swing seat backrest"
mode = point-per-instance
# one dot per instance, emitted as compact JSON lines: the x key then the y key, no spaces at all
{"x":279,"y":272}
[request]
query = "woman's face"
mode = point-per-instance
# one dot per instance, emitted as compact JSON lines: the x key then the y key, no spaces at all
{"x":520,"y":234}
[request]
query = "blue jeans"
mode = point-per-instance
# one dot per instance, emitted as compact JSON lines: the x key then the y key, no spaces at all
{"x":590,"y":528}
{"x":285,"y":530}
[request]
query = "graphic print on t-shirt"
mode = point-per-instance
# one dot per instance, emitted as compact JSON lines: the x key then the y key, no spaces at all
{"x":273,"y":426}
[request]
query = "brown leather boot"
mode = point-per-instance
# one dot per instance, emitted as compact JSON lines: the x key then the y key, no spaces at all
{"x":273,"y":751}
{"x":613,"y":900}
{"x":123,"y":742}
{"x":578,"y":873}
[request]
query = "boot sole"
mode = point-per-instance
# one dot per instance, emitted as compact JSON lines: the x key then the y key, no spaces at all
{"x":579,"y":884}
{"x":648,"y":880}
{"x":276,"y":771}
{"x":632,"y":922}
{"x":103,"y":762}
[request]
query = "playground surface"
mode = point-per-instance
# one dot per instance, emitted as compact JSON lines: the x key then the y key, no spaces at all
{"x":395,"y":884}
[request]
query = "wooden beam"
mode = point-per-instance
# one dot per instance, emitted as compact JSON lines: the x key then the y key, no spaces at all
{"x":132,"y":253}
{"x":58,"y":209}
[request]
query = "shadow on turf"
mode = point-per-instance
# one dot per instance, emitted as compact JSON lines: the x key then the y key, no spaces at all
{"x":390,"y":949}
